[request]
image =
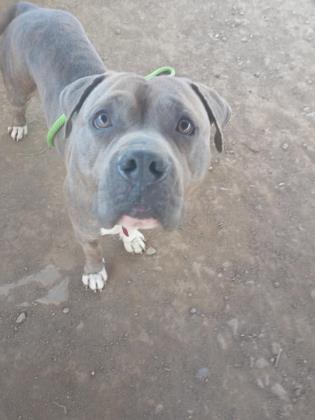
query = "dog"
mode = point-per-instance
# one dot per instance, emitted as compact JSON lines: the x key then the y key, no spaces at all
{"x":133,"y":147}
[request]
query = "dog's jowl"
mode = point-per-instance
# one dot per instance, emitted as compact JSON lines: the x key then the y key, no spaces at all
{"x":132,"y":147}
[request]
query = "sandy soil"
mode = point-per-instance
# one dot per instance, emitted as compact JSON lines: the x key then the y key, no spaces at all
{"x":219,"y":323}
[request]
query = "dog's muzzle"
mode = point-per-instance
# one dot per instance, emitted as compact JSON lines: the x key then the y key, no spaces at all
{"x":142,"y":168}
{"x":141,"y":186}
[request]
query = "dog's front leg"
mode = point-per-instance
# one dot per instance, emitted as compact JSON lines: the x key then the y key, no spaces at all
{"x":95,"y":275}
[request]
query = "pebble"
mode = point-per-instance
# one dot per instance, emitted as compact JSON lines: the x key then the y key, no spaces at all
{"x":192,"y":311}
{"x":260,"y":383}
{"x":278,"y":390}
{"x":275,"y":348}
{"x":313,"y":293}
{"x":285,"y":146}
{"x":21,"y":318}
{"x":159,"y":408}
{"x":233,"y":324}
{"x":261,"y":363}
{"x":66,"y":310}
{"x":222,"y":342}
{"x":203,"y":374}
{"x":117,"y":31}
{"x":93,"y":373}
{"x":150,"y":251}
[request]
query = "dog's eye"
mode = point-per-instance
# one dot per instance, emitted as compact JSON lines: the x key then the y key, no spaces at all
{"x":185,"y":126}
{"x":102,"y":120}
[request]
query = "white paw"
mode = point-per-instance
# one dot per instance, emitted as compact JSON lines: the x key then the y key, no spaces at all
{"x":95,"y":281}
{"x":17,"y":133}
{"x":134,"y":242}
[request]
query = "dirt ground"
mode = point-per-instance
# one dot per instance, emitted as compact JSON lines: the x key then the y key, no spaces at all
{"x":219,"y":323}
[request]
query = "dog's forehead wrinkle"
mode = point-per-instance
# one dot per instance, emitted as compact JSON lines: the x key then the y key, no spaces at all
{"x":127,"y":91}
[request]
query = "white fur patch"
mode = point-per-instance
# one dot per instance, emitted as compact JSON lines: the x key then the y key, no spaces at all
{"x":116,"y":229}
{"x":134,"y":242}
{"x":95,"y":281}
{"x":17,"y":133}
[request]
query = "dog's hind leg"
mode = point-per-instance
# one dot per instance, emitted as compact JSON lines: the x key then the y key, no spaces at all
{"x":18,"y":94}
{"x":19,"y":89}
{"x":18,"y":128}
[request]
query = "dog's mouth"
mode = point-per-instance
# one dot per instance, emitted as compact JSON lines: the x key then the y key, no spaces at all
{"x":135,"y":223}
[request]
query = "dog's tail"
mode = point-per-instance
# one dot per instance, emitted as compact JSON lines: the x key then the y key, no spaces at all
{"x":12,"y":12}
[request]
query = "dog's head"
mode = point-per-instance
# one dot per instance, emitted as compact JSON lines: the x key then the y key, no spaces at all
{"x":140,"y":145}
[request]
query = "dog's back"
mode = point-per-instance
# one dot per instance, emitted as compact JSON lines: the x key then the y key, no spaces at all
{"x":45,"y":49}
{"x":12,"y":12}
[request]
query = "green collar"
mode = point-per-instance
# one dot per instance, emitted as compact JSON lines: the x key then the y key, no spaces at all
{"x":60,"y":122}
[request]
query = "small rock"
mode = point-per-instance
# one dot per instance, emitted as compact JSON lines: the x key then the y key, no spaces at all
{"x":276,"y":284}
{"x":233,"y":324}
{"x":261,"y":363}
{"x":210,"y":168}
{"x":93,"y":373}
{"x":278,"y":390}
{"x":275,"y":348}
{"x":150,"y":251}
{"x":80,"y":326}
{"x":66,"y":310}
{"x":222,"y":342}
{"x":285,"y":146}
{"x":313,"y":293}
{"x":192,"y":311}
{"x":159,"y":408}
{"x":260,"y":383}
{"x":21,"y":318}
{"x":117,"y":31}
{"x":203,"y":374}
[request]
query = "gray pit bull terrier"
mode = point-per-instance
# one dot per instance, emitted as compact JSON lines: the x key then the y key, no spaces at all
{"x":133,"y":148}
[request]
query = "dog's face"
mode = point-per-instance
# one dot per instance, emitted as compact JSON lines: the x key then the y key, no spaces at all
{"x":140,"y":145}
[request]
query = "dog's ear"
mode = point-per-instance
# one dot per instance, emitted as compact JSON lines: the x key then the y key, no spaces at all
{"x":218,"y":110}
{"x":73,"y":96}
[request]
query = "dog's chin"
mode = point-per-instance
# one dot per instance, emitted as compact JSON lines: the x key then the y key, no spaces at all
{"x":135,"y":223}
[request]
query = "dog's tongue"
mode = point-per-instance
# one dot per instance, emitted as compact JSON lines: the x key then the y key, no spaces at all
{"x":131,"y":222}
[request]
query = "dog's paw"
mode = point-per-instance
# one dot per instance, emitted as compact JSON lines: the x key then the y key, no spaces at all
{"x":95,"y":281}
{"x":17,"y":133}
{"x":134,"y":242}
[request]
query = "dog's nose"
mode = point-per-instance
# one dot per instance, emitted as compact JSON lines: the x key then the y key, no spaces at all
{"x":143,"y":166}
